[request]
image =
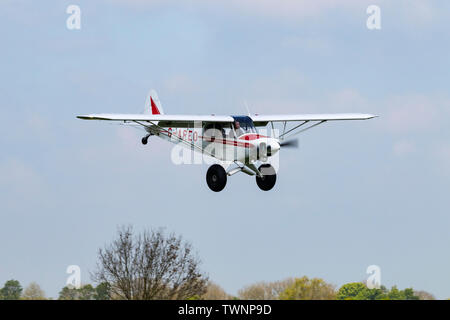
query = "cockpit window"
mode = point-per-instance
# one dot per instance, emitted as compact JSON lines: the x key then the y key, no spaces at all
{"x":243,"y":125}
{"x":218,"y":130}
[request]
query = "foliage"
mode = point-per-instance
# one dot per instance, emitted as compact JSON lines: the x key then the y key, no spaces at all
{"x":150,"y":265}
{"x":265,"y":290}
{"x":102,"y":291}
{"x":33,"y":292}
{"x":349,"y":291}
{"x":214,"y":292}
{"x":309,"y":289}
{"x":423,"y":295}
{"x":12,"y":290}
{"x":85,"y":292}
{"x":359,"y":291}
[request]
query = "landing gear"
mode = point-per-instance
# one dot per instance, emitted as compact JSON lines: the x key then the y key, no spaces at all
{"x":145,"y":139}
{"x":216,"y":178}
{"x":267,"y":181}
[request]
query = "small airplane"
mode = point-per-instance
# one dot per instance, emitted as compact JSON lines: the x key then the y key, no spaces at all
{"x":228,"y":139}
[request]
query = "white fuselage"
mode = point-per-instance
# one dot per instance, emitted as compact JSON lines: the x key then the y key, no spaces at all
{"x":245,"y":148}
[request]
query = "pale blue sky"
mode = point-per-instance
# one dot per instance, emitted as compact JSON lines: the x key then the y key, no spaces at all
{"x":353,"y":195}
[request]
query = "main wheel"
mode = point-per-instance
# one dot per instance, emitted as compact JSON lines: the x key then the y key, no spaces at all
{"x":144,"y":140}
{"x":216,"y":178}
{"x":267,"y":181}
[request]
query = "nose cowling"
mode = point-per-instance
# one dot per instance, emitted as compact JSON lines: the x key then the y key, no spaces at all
{"x":273,"y":147}
{"x":267,"y":148}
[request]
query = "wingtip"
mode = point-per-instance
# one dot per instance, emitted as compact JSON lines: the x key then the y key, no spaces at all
{"x":84,"y":117}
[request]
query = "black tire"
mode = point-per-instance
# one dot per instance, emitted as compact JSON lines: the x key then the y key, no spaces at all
{"x":144,"y":140}
{"x":268,"y":179}
{"x":216,"y":178}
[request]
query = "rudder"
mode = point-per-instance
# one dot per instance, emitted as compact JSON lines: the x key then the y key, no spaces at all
{"x":152,"y":104}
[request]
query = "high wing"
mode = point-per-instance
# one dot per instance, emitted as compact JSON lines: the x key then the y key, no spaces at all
{"x":164,"y":120}
{"x":300,"y":120}
{"x":157,"y":123}
{"x":262,"y":120}
{"x":155,"y":117}
{"x":258,"y":120}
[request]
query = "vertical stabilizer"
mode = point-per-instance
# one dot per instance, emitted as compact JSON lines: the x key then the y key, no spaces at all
{"x":152,"y":104}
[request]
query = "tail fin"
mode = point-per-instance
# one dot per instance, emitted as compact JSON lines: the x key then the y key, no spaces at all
{"x":152,"y":104}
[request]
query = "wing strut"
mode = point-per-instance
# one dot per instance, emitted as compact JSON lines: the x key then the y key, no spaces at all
{"x":300,"y":131}
{"x":190,"y":144}
{"x":285,"y":133}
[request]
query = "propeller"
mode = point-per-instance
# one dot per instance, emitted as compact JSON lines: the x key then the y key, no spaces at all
{"x":289,"y":144}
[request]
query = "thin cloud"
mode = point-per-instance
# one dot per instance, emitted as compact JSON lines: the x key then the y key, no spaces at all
{"x":404,"y":147}
{"x":441,"y":155}
{"x":411,"y":114}
{"x":417,"y":12}
{"x":268,"y":8}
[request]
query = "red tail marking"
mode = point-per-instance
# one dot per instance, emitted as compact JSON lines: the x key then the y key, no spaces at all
{"x":154,"y":107}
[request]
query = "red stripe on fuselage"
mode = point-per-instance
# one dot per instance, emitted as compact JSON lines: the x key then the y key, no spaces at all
{"x":251,"y":136}
{"x":229,"y":142}
{"x":215,"y":140}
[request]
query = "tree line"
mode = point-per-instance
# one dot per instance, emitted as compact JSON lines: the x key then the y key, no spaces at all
{"x":153,"y":265}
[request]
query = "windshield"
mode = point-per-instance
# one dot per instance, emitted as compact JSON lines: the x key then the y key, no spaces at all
{"x":243,"y":125}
